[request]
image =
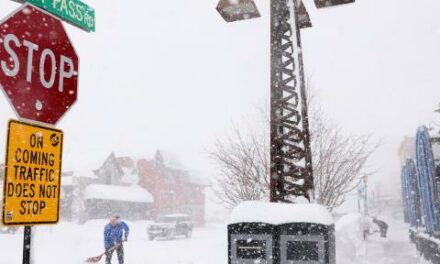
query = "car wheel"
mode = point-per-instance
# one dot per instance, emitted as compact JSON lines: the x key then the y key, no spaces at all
{"x":151,"y":237}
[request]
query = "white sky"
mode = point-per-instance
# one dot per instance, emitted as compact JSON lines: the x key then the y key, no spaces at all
{"x":173,"y":75}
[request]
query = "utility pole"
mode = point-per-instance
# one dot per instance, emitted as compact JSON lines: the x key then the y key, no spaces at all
{"x":291,"y":173}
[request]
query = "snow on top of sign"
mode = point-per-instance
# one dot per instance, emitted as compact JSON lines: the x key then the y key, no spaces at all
{"x":278,"y":213}
{"x":117,"y":193}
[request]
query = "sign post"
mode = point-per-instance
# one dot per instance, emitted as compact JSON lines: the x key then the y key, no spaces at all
{"x":39,"y":76}
{"x":27,"y":245}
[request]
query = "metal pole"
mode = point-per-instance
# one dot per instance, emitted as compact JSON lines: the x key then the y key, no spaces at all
{"x":308,"y":176}
{"x":27,"y":245}
{"x":291,"y":165}
{"x":275,"y":96}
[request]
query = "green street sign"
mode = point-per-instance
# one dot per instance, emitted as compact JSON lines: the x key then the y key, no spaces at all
{"x":73,"y":11}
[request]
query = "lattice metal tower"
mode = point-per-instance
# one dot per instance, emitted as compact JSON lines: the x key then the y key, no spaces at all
{"x":291,"y":162}
{"x":291,"y":159}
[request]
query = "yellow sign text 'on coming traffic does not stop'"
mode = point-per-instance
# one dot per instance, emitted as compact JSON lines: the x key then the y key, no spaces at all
{"x":31,"y":190}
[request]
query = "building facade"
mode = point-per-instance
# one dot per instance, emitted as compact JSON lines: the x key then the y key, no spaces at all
{"x":135,"y":188}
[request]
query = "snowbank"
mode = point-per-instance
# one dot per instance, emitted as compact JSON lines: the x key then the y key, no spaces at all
{"x":349,"y":238}
{"x":277,"y":213}
{"x":118,"y":193}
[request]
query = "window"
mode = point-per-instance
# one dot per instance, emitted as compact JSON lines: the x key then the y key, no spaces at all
{"x":251,"y":249}
{"x":302,"y":251}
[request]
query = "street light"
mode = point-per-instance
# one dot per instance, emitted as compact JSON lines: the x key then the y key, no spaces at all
{"x":234,"y":10}
{"x":328,"y":3}
{"x":303,"y":16}
{"x":291,"y":173}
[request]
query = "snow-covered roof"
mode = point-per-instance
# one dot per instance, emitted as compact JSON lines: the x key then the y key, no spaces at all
{"x":117,"y":193}
{"x":279,"y":213}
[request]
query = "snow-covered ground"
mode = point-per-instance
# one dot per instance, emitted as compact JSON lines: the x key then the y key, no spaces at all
{"x":395,"y":249}
{"x":69,"y":243}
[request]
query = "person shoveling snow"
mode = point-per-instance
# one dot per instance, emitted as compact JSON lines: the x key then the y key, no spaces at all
{"x":115,"y":233}
{"x":383,"y":227}
{"x":113,"y":237}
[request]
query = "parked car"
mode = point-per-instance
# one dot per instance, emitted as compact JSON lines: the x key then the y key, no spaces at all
{"x":170,"y":226}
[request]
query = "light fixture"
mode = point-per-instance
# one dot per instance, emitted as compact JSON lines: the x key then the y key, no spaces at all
{"x":234,"y":10}
{"x":328,"y":3}
{"x":303,"y":16}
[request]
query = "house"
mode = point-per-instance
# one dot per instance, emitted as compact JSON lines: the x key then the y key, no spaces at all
{"x":101,"y":191}
{"x":174,"y":188}
{"x":135,"y":188}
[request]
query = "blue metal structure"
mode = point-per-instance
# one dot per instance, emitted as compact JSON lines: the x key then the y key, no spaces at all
{"x":427,"y":182}
{"x":412,"y":192}
{"x":420,"y":197}
{"x":405,"y":194}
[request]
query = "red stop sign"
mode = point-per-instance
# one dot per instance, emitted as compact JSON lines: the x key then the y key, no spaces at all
{"x":38,"y":65}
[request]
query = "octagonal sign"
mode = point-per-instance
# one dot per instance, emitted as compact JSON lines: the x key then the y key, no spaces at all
{"x":38,"y":65}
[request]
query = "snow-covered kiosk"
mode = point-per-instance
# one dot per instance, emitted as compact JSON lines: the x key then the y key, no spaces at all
{"x":274,"y":233}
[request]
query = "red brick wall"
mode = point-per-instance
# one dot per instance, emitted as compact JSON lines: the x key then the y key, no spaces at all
{"x":171,"y":195}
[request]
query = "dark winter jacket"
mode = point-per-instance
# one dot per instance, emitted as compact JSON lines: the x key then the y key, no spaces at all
{"x":113,"y":234}
{"x":382,"y":225}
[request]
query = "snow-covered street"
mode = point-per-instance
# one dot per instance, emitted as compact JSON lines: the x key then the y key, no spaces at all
{"x":68,"y":243}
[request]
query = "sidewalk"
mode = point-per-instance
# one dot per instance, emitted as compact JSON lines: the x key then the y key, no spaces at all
{"x":395,"y":249}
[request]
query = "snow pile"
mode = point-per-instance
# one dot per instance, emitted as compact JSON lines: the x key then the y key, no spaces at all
{"x":118,"y":193}
{"x":349,"y":238}
{"x":278,"y":213}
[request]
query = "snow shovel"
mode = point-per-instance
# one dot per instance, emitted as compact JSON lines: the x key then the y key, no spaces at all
{"x":98,"y":258}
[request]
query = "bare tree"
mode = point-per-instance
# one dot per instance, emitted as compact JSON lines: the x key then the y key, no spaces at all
{"x":243,"y":164}
{"x":339,"y":161}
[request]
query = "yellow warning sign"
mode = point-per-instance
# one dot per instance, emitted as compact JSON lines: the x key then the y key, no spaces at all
{"x":31,"y":190}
